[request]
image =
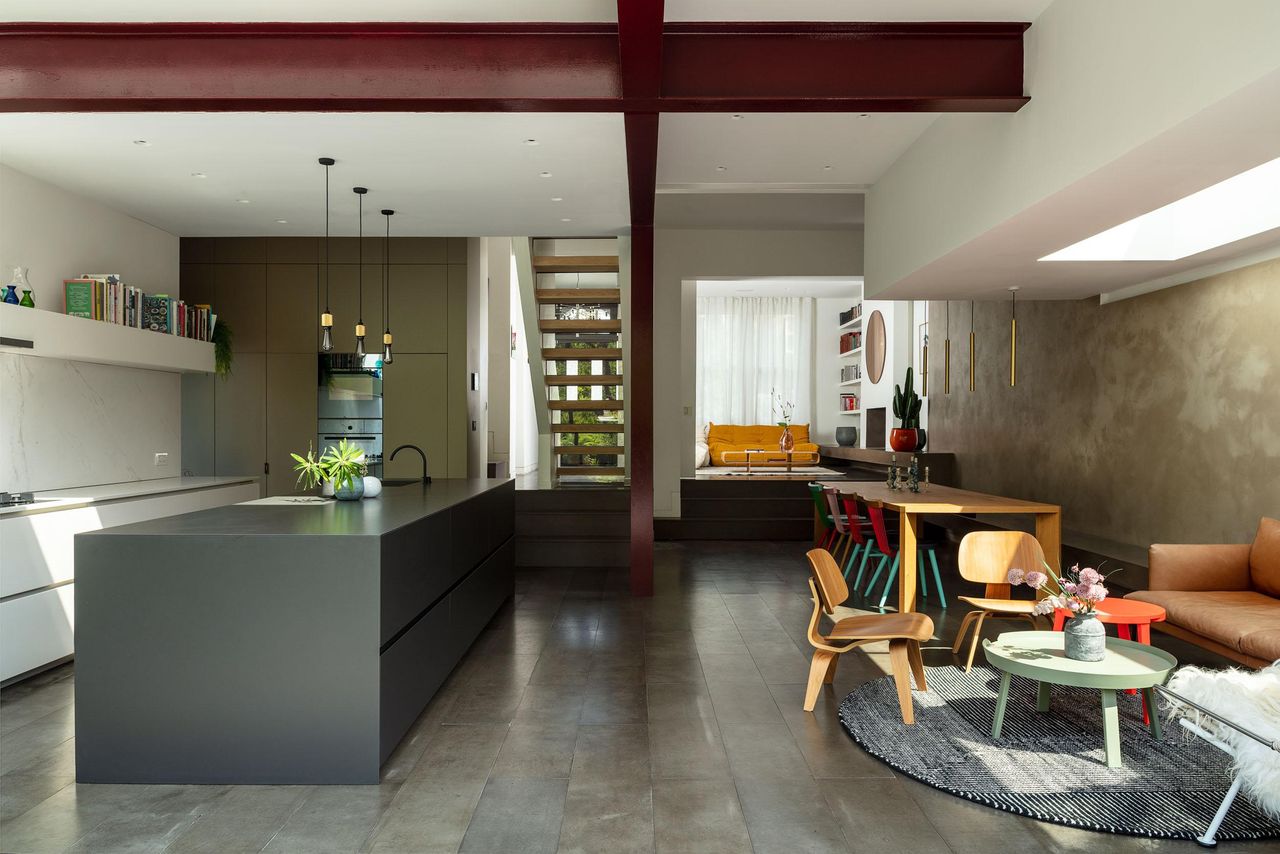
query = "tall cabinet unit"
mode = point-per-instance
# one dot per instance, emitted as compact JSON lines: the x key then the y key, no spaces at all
{"x":268,"y":291}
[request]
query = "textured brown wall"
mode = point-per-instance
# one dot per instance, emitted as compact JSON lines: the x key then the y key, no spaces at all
{"x":1154,"y":419}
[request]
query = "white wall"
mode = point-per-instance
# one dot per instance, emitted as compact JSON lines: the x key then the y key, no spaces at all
{"x":523,"y":417}
{"x":1104,"y":78}
{"x":681,"y":256}
{"x":60,"y":235}
{"x":65,"y":424}
{"x":499,"y":317}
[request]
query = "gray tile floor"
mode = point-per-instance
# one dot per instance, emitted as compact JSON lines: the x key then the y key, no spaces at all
{"x":583,"y":721}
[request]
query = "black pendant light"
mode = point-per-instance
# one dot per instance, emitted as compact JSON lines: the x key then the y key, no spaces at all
{"x":326,"y":318}
{"x":386,"y":291}
{"x":360,"y":191}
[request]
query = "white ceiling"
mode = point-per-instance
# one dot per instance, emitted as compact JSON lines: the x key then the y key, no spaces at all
{"x":789,"y":149}
{"x":444,"y":174}
{"x":797,"y":286}
{"x":803,"y":211}
{"x":516,"y":10}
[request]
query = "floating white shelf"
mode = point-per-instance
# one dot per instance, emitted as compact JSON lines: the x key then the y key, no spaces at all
{"x":857,"y":321}
{"x":847,"y":353}
{"x":851,"y":382}
{"x":36,"y":332}
{"x":850,"y":411}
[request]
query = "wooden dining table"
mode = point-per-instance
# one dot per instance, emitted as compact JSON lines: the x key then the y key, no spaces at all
{"x":933,"y":499}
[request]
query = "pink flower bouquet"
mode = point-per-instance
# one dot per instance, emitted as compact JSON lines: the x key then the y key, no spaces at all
{"x":1077,"y":590}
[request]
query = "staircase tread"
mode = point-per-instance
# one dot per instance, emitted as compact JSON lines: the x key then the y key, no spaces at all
{"x":575,"y":263}
{"x":582,"y":354}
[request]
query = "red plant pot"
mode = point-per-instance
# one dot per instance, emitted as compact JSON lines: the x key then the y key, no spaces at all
{"x":904,"y":439}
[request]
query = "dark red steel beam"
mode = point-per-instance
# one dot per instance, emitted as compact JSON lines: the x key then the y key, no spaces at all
{"x":730,"y":67}
{"x":640,"y":45}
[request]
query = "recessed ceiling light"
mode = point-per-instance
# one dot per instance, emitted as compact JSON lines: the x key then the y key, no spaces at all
{"x":530,"y":142}
{"x":141,"y":142}
{"x":557,"y":198}
{"x":864,"y":115}
{"x":565,"y":219}
{"x":198,"y":175}
{"x":242,"y":201}
{"x":827,"y":168}
{"x":1241,"y":206}
{"x":544,"y":174}
{"x":720,"y":168}
{"x":736,"y":116}
{"x":282,"y":221}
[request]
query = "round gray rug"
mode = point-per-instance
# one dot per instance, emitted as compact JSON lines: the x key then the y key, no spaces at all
{"x":1050,"y":766}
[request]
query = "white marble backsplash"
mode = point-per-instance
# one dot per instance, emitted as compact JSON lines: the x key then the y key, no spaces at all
{"x":66,"y":424}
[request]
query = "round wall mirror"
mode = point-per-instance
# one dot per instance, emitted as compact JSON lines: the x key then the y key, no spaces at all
{"x":875,"y":343}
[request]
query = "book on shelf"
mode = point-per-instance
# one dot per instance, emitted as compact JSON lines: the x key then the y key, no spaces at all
{"x":848,"y":402}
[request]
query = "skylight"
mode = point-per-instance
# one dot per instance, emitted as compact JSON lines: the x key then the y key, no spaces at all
{"x":1239,"y":207}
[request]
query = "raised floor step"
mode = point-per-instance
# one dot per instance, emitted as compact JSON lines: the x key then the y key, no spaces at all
{"x":589,"y":449}
{"x":582,"y":354}
{"x":588,"y":428}
{"x":589,"y":296}
{"x":590,"y":471}
{"x":584,"y":379}
{"x":575,"y":263}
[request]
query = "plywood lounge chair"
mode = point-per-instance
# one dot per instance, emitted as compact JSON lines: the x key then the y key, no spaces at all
{"x":904,"y":632}
{"x":986,"y":558}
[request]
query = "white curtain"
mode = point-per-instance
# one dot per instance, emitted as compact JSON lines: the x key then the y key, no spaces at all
{"x":749,"y":347}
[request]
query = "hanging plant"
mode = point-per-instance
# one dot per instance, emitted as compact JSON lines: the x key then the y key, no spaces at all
{"x":222,"y":349}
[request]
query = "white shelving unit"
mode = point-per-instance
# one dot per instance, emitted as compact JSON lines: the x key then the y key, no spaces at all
{"x":35,"y":332}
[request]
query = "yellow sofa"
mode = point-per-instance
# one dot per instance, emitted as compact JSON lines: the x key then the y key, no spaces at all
{"x":734,"y":437}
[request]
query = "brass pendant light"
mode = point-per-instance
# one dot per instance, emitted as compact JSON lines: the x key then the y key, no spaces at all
{"x":973,"y":368}
{"x":326,"y":317}
{"x":386,"y":291}
{"x":946,"y":355}
{"x":360,"y":191}
{"x":1013,"y":336}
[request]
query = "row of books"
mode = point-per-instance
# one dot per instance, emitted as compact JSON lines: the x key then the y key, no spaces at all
{"x":849,"y":373}
{"x":850,"y":341}
{"x":851,"y":315}
{"x":103,"y":296}
{"x":848,"y":402}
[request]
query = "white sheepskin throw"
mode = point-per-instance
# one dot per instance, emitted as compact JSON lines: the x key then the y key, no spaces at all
{"x":701,"y":454}
{"x":1250,"y":699}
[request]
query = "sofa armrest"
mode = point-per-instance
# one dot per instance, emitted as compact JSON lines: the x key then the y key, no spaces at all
{"x":1199,"y":567}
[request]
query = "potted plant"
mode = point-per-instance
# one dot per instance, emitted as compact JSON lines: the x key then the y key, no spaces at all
{"x":222,"y":357}
{"x":906,"y":408}
{"x":783,"y":410}
{"x":343,"y":466}
{"x":1078,"y":591}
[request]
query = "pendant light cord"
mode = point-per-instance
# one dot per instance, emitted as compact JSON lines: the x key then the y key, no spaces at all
{"x":386,"y":275}
{"x":360,"y":261}
{"x":326,"y":239}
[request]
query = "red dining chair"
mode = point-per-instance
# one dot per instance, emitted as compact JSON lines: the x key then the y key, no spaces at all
{"x":890,"y":556}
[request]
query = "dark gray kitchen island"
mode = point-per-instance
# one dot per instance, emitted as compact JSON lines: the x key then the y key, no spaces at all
{"x":280,"y":642}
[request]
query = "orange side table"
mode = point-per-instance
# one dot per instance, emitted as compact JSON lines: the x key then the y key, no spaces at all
{"x":1124,"y":614}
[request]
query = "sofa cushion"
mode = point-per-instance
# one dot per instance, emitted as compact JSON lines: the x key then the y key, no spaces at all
{"x":753,"y":435}
{"x":1226,"y":616}
{"x":1264,"y":644}
{"x":1264,"y":557}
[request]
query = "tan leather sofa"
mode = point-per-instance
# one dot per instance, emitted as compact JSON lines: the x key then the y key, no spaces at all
{"x":1225,"y":598}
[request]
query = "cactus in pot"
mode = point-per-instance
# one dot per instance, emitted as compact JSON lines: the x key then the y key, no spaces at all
{"x":906,"y":408}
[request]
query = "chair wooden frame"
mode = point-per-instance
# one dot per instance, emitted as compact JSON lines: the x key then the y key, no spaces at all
{"x":986,"y":557}
{"x":904,"y":632}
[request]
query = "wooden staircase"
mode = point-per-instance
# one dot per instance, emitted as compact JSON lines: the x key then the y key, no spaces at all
{"x":578,"y":302}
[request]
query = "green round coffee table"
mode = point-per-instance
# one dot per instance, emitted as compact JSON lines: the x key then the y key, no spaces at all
{"x":1039,"y":656}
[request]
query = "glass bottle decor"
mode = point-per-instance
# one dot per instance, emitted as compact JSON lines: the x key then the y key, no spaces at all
{"x":27,"y":299}
{"x":19,"y":283}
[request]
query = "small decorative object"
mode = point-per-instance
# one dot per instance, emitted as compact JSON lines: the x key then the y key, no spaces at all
{"x":372,"y":486}
{"x":343,"y":466}
{"x":926,"y":475}
{"x":906,"y":408}
{"x":1078,"y":591}
{"x":847,"y":436}
{"x":876,"y":346}
{"x":26,"y":299}
{"x":222,"y":348}
{"x":783,"y":410}
{"x":891,"y":480}
{"x":913,"y":474}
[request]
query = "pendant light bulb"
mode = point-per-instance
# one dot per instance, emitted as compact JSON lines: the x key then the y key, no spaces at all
{"x":360,"y":330}
{"x":386,"y":291}
{"x":326,"y":317}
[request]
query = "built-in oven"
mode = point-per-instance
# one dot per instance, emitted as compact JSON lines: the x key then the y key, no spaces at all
{"x":349,"y":405}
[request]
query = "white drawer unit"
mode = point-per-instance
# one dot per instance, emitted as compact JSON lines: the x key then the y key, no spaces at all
{"x":37,"y":563}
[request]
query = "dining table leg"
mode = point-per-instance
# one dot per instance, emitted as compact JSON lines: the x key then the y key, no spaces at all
{"x":1049,"y":533}
{"x":908,"y":537}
